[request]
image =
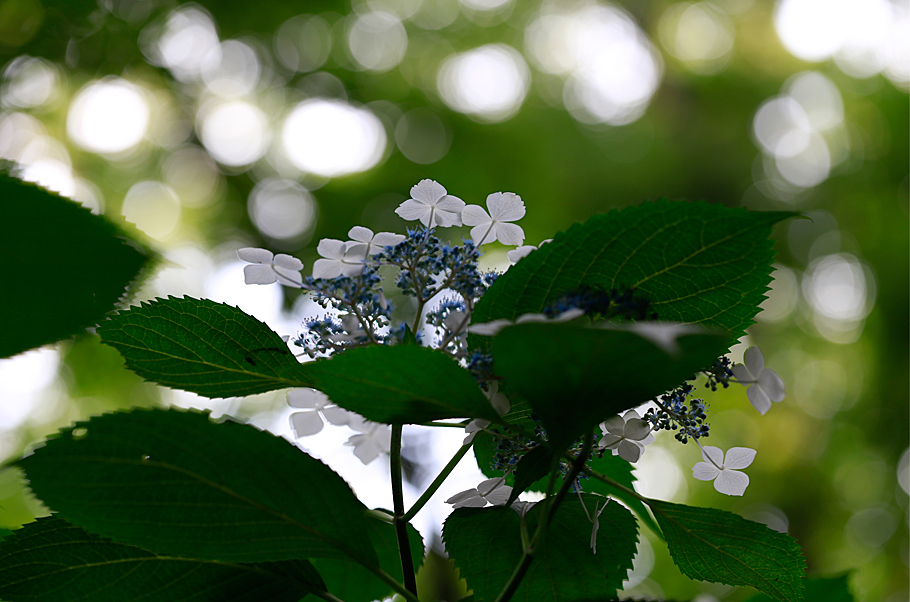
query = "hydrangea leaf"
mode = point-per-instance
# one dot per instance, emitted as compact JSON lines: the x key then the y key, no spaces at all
{"x":403,"y":384}
{"x":722,"y":547}
{"x":695,"y":262}
{"x":576,"y":377}
{"x":178,"y":483}
{"x":352,"y":583}
{"x":198,"y":345}
{"x":63,"y":267}
{"x":534,"y":466}
{"x":820,"y":589}
{"x":51,"y":560}
{"x":485,"y":544}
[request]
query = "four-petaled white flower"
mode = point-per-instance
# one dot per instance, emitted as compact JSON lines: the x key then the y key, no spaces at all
{"x":373,"y":438}
{"x":504,"y":207}
{"x":626,"y":435}
{"x":494,"y":491}
{"x":315,"y":405}
{"x":492,"y":328}
{"x":430,"y":204}
{"x":268,"y":268}
{"x":364,"y":243}
{"x":724,"y":470}
{"x":336,"y":260}
{"x":764,"y":384}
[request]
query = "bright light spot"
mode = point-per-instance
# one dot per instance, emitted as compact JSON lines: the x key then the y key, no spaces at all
{"x":377,"y":41}
{"x":231,"y":70}
{"x":184,"y":43}
{"x":183,"y":272}
{"x":612,"y":68}
{"x":769,"y":515}
{"x":28,"y":82}
{"x":436,"y":14}
{"x":24,"y":379}
{"x":192,"y":173}
{"x":809,"y":166}
{"x":489,"y":82}
{"x":485,"y":5}
{"x":51,"y":174}
{"x":836,"y":287}
{"x":699,"y":35}
{"x":903,"y":471}
{"x":108,"y":116}
{"x":782,"y":298}
{"x":872,"y":527}
{"x":153,"y":208}
{"x":659,"y":475}
{"x":17,"y":131}
{"x":235,"y":133}
{"x":421,"y":136}
{"x":819,"y":98}
{"x":782,"y":127}
{"x":303,"y":43}
{"x":282,"y":209}
{"x":332,"y":138}
{"x":642,"y":564}
{"x":226,"y":285}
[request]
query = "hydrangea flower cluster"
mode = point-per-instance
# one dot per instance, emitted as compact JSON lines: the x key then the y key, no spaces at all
{"x":441,"y":284}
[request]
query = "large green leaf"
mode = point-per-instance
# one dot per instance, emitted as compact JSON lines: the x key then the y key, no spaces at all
{"x":576,"y":377}
{"x":820,"y":589}
{"x":695,"y":262}
{"x":714,"y":545}
{"x":63,"y":267}
{"x":485,"y":544}
{"x":51,"y":560}
{"x":202,"y":346}
{"x":176,"y":482}
{"x":403,"y":384}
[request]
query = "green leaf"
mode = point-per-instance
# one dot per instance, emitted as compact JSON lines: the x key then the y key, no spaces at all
{"x":353,"y":583}
{"x":486,"y":546}
{"x":51,"y":560}
{"x":63,"y":267}
{"x":201,"y":346}
{"x":403,"y":384}
{"x":718,"y":546}
{"x":576,"y":377}
{"x":695,"y":262}
{"x":533,"y":466}
{"x":821,"y":589}
{"x":177,"y":483}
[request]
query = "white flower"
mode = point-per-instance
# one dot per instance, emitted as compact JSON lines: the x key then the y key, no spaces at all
{"x":727,"y":479}
{"x":764,"y":384}
{"x":523,"y":251}
{"x":313,"y":402}
{"x":431,"y":204}
{"x":627,"y":435}
{"x":494,"y":491}
{"x":504,"y":207}
{"x":336,"y":262}
{"x":373,"y":439}
{"x":364,"y":243}
{"x":268,"y":268}
{"x":493,"y":328}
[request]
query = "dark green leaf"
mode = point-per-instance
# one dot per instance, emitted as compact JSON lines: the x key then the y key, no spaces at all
{"x":576,"y":377}
{"x":201,"y":346}
{"x":63,"y":268}
{"x":714,"y":545}
{"x":485,"y":544}
{"x":53,"y":560}
{"x":533,"y":466}
{"x":402,"y":384}
{"x":820,"y":589}
{"x":175,"y":482}
{"x":695,"y":262}
{"x":353,"y":583}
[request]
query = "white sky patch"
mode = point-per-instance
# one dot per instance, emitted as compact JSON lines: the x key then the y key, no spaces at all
{"x":332,"y":138}
{"x":235,"y":133}
{"x":282,"y":209}
{"x":488,"y":83}
{"x":377,"y":41}
{"x":108,"y":116}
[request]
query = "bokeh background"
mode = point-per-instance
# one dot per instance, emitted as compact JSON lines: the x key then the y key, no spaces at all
{"x":206,"y":127}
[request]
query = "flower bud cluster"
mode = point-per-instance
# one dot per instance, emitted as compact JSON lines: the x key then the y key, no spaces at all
{"x":600,"y":303}
{"x":673,"y":413}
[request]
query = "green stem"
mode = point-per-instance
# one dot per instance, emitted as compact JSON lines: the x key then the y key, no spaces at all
{"x":401,"y":525}
{"x":434,"y":486}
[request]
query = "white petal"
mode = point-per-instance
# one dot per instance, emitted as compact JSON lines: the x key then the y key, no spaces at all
{"x":331,"y":248}
{"x":306,"y":423}
{"x":254,"y":255}
{"x":500,"y":403}
{"x":630,"y":414}
{"x":387,"y":239}
{"x":462,"y":496}
{"x":704,"y":471}
{"x":259,"y":274}
{"x":505,"y":206}
{"x":741,"y":372}
{"x":663,"y":335}
{"x":475,"y":215}
{"x":710,"y":453}
{"x":509,"y":234}
{"x":647,"y":440}
{"x":630,"y":451}
{"x":483,"y":234}
{"x":636,"y":429}
{"x":327,"y":268}
{"x":772,"y":384}
{"x":428,"y":191}
{"x":445,"y":219}
{"x":365,"y":448}
{"x":337,"y":416}
{"x":609,"y":441}
{"x":411,"y":210}
{"x":489,"y":485}
{"x":307,"y":398}
{"x":499,"y":496}
{"x":288,"y":277}
{"x":569,"y":314}
{"x":731,"y":482}
{"x":451,"y":204}
{"x":520,"y":253}
{"x":739,"y":457}
{"x":474,"y":502}
{"x":361,"y":234}
{"x":754,"y":359}
{"x":759,"y":400}
{"x":286,"y":262}
{"x":489,"y":328}
{"x":351,"y":269}
{"x":614,"y":425}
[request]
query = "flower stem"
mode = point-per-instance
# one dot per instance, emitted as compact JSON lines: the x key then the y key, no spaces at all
{"x":401,"y":525}
{"x":434,"y":486}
